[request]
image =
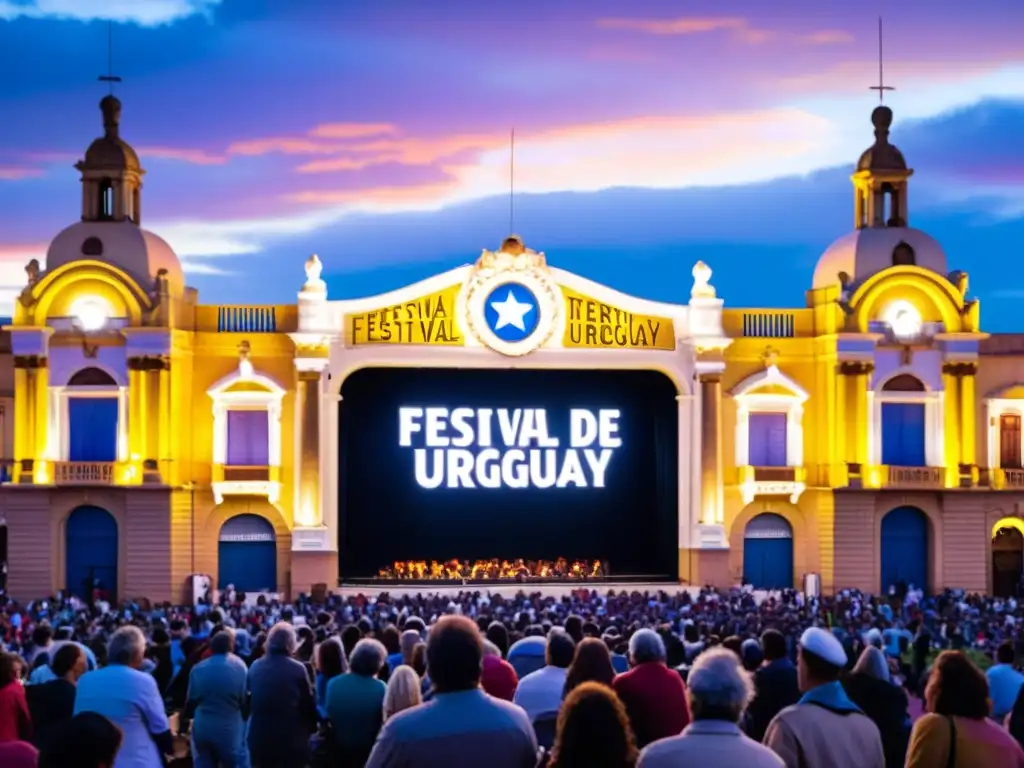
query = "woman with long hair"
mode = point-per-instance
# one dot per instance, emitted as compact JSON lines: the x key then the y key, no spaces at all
{"x":592,"y":663}
{"x":957,"y":731}
{"x":403,"y":691}
{"x":330,"y":662}
{"x":593,"y":731}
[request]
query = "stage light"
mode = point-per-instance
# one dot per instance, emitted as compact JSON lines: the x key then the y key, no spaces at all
{"x":90,"y":313}
{"x":903,"y":320}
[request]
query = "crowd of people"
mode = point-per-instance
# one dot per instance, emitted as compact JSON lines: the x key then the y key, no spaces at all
{"x":588,"y":680}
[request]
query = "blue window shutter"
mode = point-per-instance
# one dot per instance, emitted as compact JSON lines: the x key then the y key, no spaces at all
{"x":92,"y":429}
{"x":248,"y":439}
{"x":913,"y":435}
{"x":903,"y":434}
{"x":767,"y":440}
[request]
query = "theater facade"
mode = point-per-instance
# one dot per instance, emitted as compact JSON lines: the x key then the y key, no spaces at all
{"x":505,"y":409}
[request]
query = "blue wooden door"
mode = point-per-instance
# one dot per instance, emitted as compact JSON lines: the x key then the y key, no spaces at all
{"x":92,"y":434}
{"x":247,"y":555}
{"x":90,"y":552}
{"x":767,"y":439}
{"x":768,"y":553}
{"x":905,"y":548}
{"x":903,"y":434}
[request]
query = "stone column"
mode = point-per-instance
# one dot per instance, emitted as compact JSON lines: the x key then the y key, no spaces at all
{"x":309,"y":512}
{"x":856,"y":375}
{"x":961,"y":452}
{"x":31,"y":414}
{"x":136,"y":409}
{"x":711,"y":512}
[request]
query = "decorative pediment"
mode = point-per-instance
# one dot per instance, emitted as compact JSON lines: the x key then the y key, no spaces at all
{"x":770,"y":381}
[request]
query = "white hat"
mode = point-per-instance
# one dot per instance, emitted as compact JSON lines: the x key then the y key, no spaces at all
{"x":823,"y":643}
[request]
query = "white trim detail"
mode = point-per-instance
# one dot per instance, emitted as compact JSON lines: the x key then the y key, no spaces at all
{"x":748,"y":401}
{"x":58,"y":437}
{"x":996,"y":407}
{"x":934,"y":428}
{"x":223,"y":401}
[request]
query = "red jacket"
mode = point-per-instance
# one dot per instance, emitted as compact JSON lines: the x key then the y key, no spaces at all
{"x":655,"y":699}
{"x":15,"y":723}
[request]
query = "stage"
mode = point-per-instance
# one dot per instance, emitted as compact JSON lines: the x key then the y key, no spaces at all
{"x":506,"y":588}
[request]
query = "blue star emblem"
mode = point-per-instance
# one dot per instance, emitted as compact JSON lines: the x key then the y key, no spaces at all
{"x":512,"y":312}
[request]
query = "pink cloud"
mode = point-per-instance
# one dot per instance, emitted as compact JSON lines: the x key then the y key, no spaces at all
{"x":185,"y":155}
{"x":690,"y":25}
{"x":374,"y":196}
{"x":352,"y":130}
{"x":346,"y":164}
{"x":827,"y":37}
{"x":17,"y":173}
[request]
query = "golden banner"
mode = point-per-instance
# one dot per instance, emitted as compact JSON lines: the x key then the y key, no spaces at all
{"x":592,"y":323}
{"x":426,"y":320}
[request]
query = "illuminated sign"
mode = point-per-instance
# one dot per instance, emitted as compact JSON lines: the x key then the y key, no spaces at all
{"x":427,"y":320}
{"x":508,"y":447}
{"x":594,"y":324}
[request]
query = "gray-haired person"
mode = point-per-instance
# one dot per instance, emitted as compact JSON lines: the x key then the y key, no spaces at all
{"x":130,"y":699}
{"x":719,"y":691}
{"x":216,"y":704}
{"x":282,"y":704}
{"x":653,"y":694}
{"x":355,"y":702}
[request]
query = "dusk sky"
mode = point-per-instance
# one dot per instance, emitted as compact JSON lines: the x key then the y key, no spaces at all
{"x":649,"y":134}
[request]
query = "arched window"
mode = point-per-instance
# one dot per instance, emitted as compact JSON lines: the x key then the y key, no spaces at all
{"x":92,"y":377}
{"x":106,"y":200}
{"x":906,"y":423}
{"x":903,"y":383}
{"x":903,"y":256}
{"x":93,"y":412}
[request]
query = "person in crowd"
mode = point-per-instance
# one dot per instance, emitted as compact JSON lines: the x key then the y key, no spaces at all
{"x":497,"y":633}
{"x":541,"y":692}
{"x":775,"y":684}
{"x":88,"y":740}
{"x":15,"y":720}
{"x":1004,"y":681}
{"x":355,"y":702}
{"x":350,"y":635}
{"x":869,"y":687}
{"x":42,"y":639}
{"x":591,"y":663}
{"x":18,"y":754}
{"x":461,"y":727}
{"x":408,"y":641}
{"x":527,"y":654}
{"x":593,"y":731}
{"x":824,"y":727}
{"x":1015,"y":720}
{"x":216,"y":705}
{"x":392,"y":641}
{"x":130,"y":700}
{"x":282,"y":704}
{"x":573,"y":626}
{"x":619,"y":648}
{"x":330,"y":662}
{"x":419,"y":666}
{"x":52,"y":704}
{"x":718,"y":689}
{"x":403,"y":691}
{"x":751,"y":654}
{"x":498,"y":678}
{"x":654,"y":695}
{"x":957,"y":731}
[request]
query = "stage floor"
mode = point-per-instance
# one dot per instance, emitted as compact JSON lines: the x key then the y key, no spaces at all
{"x":546,"y":589}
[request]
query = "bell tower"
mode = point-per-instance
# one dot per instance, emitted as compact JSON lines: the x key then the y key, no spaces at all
{"x":111,"y":173}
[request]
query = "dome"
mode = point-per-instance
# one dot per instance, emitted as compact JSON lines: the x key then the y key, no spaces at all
{"x":883,"y":156}
{"x":112,"y":153}
{"x":122,"y":244}
{"x":866,"y":252}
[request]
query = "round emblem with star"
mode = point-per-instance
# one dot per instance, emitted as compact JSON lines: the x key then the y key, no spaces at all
{"x":512,"y":312}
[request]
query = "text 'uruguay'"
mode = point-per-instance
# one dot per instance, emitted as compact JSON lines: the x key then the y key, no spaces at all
{"x":509,"y":447}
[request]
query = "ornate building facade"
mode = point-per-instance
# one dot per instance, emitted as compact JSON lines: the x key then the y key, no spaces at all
{"x":872,"y":437}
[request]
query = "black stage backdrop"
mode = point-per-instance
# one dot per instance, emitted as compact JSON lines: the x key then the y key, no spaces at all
{"x":385,"y":515}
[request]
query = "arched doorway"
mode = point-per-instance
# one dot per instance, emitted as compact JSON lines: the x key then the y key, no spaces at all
{"x":905,"y":548}
{"x":90,"y":552}
{"x":768,"y":552}
{"x":1007,"y":561}
{"x":247,"y":554}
